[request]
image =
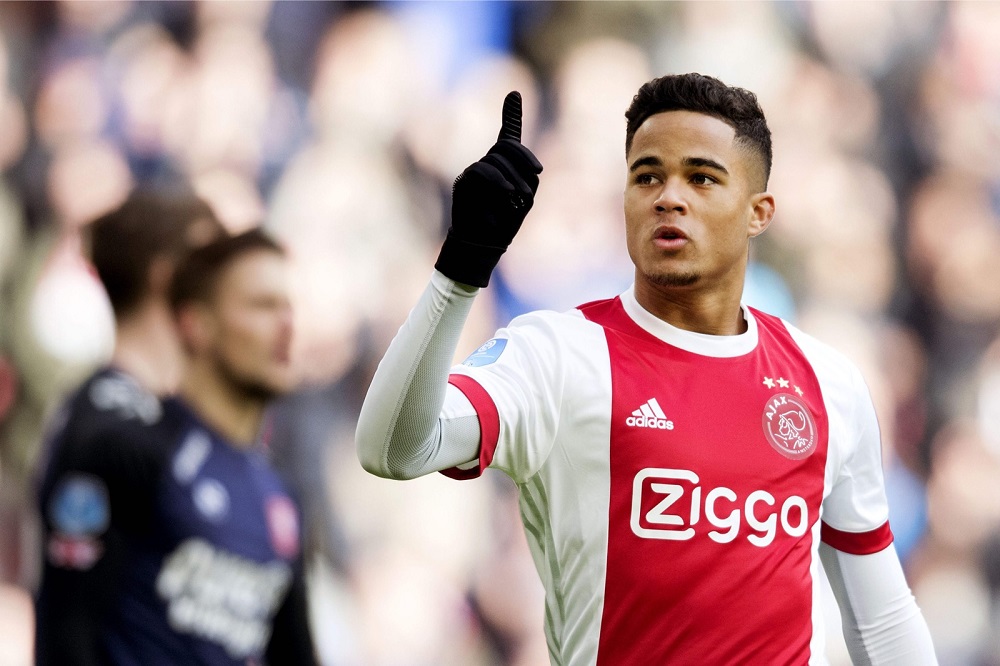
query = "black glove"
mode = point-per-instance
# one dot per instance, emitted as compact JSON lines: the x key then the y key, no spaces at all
{"x":489,"y":202}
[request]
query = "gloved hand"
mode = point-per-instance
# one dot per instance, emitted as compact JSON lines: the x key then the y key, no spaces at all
{"x":490,"y":200}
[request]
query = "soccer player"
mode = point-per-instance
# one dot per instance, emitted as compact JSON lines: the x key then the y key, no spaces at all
{"x":171,"y":540}
{"x":685,"y":463}
{"x":134,"y":250}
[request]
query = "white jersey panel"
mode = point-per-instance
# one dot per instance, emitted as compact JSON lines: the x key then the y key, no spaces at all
{"x":551,"y":385}
{"x":854,"y":496}
{"x":542,"y":379}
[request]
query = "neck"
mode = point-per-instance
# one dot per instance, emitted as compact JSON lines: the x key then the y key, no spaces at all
{"x":221,"y":405}
{"x":715,"y":312}
{"x":147,"y":348}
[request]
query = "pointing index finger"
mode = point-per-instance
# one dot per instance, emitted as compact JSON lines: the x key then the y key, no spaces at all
{"x":511,"y":128}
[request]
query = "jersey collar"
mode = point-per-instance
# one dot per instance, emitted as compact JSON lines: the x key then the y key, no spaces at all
{"x":720,"y":346}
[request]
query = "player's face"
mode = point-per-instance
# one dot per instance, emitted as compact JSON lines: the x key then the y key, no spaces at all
{"x":691,"y":204}
{"x":252,"y":331}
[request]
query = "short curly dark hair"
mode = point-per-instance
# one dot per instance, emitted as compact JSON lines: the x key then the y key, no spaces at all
{"x":737,"y":107}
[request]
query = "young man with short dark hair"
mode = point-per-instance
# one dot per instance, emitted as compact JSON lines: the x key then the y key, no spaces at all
{"x":685,"y":463}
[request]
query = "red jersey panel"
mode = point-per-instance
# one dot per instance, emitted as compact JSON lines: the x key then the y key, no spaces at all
{"x":710,"y":523}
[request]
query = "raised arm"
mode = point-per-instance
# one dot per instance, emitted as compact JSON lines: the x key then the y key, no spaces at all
{"x":412,"y":422}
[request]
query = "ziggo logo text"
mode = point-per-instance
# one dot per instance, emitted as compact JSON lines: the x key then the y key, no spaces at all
{"x":668,"y":520}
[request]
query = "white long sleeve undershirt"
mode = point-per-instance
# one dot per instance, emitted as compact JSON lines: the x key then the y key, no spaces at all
{"x":881,"y":621}
{"x":405,"y":429}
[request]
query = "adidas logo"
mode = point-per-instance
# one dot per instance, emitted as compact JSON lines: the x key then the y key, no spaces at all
{"x":649,"y":415}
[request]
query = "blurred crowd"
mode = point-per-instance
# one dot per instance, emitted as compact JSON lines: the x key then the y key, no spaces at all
{"x":340,"y":127}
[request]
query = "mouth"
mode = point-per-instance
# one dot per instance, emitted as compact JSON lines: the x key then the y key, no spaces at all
{"x":669,"y":237}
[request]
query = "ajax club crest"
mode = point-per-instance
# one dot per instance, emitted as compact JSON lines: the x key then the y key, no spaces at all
{"x":789,"y":426}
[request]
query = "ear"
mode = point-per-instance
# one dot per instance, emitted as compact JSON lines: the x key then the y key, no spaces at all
{"x":762,"y":212}
{"x":196,"y":327}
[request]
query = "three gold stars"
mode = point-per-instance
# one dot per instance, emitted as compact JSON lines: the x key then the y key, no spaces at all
{"x":781,"y":382}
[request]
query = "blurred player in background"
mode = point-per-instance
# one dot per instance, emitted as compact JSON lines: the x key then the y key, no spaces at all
{"x":134,"y":250}
{"x":170,"y":539}
{"x":673,"y":448}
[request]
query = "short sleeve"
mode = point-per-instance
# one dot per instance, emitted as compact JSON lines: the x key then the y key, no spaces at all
{"x":515,"y":382}
{"x":856,"y":513}
{"x":115,"y":469}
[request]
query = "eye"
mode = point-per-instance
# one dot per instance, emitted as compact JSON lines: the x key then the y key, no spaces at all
{"x":703,"y":179}
{"x":645,"y":179}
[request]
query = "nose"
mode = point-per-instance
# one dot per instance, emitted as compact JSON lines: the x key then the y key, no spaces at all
{"x":287,"y":318}
{"x":670,"y":198}
{"x":285,"y":329}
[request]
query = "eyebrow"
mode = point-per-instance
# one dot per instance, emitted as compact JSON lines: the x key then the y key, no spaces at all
{"x":704,"y":162}
{"x":645,"y":161}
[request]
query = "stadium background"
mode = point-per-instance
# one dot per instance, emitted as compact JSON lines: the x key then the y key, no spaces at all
{"x":341,"y":126}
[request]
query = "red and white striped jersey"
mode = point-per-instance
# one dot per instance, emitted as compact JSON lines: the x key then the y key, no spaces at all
{"x":674,"y":486}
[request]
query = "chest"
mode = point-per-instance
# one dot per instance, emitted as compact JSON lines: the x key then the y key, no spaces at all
{"x":714,"y":444}
{"x":228,"y":498}
{"x":759,"y":415}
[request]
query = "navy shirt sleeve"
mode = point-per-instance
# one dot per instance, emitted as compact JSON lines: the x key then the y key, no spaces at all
{"x":99,"y":485}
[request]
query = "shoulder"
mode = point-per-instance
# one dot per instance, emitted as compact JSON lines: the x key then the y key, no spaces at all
{"x":113,"y":436}
{"x":551,"y":322}
{"x":556,"y":331}
{"x":108,"y":400}
{"x":832,"y":367}
{"x":119,"y":397}
{"x":537,"y":340}
{"x":109,"y":413}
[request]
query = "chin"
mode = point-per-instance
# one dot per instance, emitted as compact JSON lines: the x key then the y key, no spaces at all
{"x":277,"y":384}
{"x":678,"y":279}
{"x":282,"y":386}
{"x":262,"y":388}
